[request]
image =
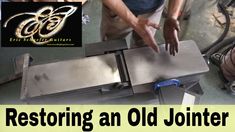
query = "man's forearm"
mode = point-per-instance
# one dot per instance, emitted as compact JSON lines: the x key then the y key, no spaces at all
{"x":122,"y":11}
{"x":174,"y":7}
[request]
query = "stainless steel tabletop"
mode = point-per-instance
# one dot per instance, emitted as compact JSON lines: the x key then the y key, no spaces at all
{"x":70,"y":75}
{"x":146,"y":66}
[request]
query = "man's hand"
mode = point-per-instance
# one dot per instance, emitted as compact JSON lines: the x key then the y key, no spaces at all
{"x":142,"y":27}
{"x":171,"y":26}
{"x":171,"y":29}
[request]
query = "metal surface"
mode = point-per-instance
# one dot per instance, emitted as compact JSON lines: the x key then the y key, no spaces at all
{"x":19,"y":62}
{"x":146,"y":66}
{"x":79,"y":74}
{"x":171,"y":95}
{"x":122,"y":66}
{"x":105,"y":47}
{"x":178,"y":95}
{"x":18,"y":68}
{"x":81,"y":97}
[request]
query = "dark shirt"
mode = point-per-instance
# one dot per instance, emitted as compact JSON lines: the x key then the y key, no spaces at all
{"x":139,"y":7}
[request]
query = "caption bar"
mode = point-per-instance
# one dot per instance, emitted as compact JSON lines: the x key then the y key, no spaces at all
{"x":87,"y":119}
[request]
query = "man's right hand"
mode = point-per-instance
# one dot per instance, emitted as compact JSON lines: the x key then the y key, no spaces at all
{"x":140,"y":25}
{"x":142,"y":28}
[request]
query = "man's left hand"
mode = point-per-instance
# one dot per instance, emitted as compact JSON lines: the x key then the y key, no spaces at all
{"x":171,"y":29}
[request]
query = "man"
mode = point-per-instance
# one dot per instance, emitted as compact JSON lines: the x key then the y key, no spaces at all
{"x":120,"y":17}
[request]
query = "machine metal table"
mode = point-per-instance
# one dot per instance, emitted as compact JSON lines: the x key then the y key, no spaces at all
{"x":111,"y":73}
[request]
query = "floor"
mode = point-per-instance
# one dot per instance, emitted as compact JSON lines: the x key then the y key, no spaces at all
{"x":201,"y":28}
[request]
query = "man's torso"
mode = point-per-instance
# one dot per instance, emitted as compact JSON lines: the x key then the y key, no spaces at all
{"x":139,"y":7}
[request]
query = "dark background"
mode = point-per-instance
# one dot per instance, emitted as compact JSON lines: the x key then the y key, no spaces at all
{"x":72,"y":28}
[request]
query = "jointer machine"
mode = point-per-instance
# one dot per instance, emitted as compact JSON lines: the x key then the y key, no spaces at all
{"x":112,"y":71}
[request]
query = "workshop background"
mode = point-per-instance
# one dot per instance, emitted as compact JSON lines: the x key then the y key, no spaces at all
{"x":204,"y":26}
